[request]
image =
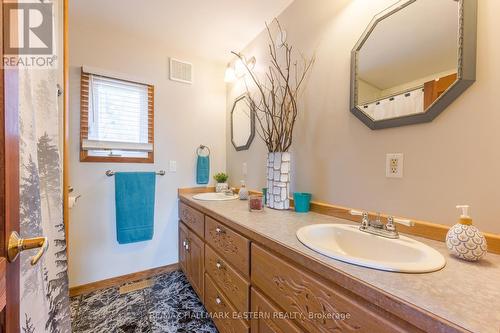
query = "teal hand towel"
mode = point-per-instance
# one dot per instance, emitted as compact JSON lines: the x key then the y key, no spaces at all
{"x":135,"y":205}
{"x":202,"y":169}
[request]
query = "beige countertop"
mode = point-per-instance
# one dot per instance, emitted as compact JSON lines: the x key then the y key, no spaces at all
{"x":465,"y":294}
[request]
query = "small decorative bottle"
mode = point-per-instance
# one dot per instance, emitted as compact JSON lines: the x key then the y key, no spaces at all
{"x":243,"y":194}
{"x":464,"y":240}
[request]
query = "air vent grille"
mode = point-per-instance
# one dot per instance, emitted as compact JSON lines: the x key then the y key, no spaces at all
{"x":181,"y":71}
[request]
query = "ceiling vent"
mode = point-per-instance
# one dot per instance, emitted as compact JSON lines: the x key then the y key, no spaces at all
{"x":181,"y":71}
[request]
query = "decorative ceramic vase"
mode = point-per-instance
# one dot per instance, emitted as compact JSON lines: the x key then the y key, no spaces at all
{"x":466,"y":242}
{"x":278,"y":180}
{"x":221,"y":187}
{"x":243,"y":193}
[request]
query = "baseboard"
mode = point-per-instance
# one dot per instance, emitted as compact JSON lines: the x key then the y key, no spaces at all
{"x":120,"y":280}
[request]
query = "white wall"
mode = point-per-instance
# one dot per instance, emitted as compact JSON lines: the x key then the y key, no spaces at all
{"x":185,"y":117}
{"x":452,"y":160}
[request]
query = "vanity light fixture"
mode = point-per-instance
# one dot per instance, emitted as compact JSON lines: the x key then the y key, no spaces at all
{"x":238,"y":71}
{"x":229,"y":75}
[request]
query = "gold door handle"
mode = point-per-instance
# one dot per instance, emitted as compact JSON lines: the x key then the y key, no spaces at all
{"x":18,"y":245}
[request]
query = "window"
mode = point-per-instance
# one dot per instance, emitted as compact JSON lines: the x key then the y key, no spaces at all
{"x":116,"y":119}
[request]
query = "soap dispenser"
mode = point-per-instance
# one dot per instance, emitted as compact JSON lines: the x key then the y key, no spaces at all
{"x":464,"y":240}
{"x":243,"y":193}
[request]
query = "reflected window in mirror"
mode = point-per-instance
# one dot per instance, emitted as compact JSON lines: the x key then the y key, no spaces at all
{"x":409,"y":58}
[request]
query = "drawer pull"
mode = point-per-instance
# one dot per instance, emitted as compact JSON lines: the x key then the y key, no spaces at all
{"x":219,"y":265}
{"x":218,"y":300}
{"x":186,"y":246}
{"x":220,"y":231}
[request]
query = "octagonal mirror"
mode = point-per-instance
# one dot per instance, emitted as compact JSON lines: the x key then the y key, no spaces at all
{"x":413,"y":60}
{"x":242,"y":124}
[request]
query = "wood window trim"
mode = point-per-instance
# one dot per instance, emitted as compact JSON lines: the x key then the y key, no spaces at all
{"x":84,"y":124}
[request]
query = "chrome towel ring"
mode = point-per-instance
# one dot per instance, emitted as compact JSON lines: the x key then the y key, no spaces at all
{"x":201,"y":149}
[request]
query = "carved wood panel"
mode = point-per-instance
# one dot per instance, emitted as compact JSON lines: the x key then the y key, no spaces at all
{"x":227,"y":279}
{"x":319,"y":306}
{"x":270,"y":319}
{"x":192,"y":218}
{"x":223,"y":312}
{"x":231,"y":245}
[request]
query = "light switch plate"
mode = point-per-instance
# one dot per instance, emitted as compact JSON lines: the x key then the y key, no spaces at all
{"x":172,"y":166}
{"x":394,"y":165}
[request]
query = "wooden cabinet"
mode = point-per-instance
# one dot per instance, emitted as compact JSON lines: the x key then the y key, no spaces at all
{"x":183,"y":241}
{"x":192,"y":218}
{"x":233,"y":246}
{"x":233,"y":274}
{"x":228,"y":279}
{"x":268,"y":318}
{"x":191,"y":257}
{"x":321,"y":306}
{"x":225,"y":316}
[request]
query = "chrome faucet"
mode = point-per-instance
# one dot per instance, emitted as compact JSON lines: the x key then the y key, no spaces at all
{"x":377,"y":227}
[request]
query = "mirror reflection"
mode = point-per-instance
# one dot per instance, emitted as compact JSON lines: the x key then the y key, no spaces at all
{"x":408,"y":60}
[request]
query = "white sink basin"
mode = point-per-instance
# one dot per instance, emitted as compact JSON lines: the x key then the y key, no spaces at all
{"x":347,"y":243}
{"x":212,"y":196}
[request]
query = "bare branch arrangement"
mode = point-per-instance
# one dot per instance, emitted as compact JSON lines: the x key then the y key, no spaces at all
{"x":275,"y":100}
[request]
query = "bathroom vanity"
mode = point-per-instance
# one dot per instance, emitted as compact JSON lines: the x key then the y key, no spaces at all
{"x":245,"y":265}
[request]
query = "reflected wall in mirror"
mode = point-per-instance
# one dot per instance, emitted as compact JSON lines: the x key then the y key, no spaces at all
{"x":412,"y":61}
{"x":242,"y":124}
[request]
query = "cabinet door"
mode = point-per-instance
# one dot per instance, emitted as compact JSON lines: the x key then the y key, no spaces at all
{"x":195,"y":262}
{"x":270,"y":318}
{"x":183,"y":241}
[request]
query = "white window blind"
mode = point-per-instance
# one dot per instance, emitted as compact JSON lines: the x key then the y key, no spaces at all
{"x":117,"y":118}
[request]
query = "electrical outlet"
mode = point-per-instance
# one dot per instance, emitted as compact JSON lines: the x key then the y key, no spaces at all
{"x":172,"y":166}
{"x":394,"y":165}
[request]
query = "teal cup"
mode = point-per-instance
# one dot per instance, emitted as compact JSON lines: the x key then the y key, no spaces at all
{"x":302,"y":202}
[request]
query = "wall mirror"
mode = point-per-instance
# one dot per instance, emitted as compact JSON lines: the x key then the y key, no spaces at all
{"x":242,"y":124}
{"x":413,"y":60}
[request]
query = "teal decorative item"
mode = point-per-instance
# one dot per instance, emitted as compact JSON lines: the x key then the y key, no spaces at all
{"x":264,"y":193}
{"x":302,"y":202}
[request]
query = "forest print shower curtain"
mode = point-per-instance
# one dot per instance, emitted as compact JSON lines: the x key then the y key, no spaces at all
{"x":44,"y":287}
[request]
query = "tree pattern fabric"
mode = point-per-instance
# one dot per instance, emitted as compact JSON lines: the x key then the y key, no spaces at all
{"x":44,"y":287}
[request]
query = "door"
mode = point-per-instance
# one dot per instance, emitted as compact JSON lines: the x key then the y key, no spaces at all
{"x":196,"y":255}
{"x":33,"y":268}
{"x":183,"y":244}
{"x":9,"y":194}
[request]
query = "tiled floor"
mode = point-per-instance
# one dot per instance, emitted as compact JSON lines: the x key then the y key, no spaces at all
{"x":170,"y":305}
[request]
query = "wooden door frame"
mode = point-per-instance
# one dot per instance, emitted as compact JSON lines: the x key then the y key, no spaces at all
{"x":66,"y":184}
{"x":9,"y":184}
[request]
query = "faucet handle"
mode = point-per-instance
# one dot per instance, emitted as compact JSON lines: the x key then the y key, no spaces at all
{"x":365,"y":222}
{"x":391,"y":220}
{"x":356,"y":212}
{"x":406,"y":222}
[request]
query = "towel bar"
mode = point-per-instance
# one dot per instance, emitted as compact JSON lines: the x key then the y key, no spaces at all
{"x":110,"y":173}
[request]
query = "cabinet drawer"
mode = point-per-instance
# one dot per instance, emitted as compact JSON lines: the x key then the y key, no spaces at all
{"x":232,"y":246}
{"x":270,"y":319}
{"x":318,"y":302}
{"x":227,"y":279}
{"x":192,"y":218}
{"x":222,"y":310}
